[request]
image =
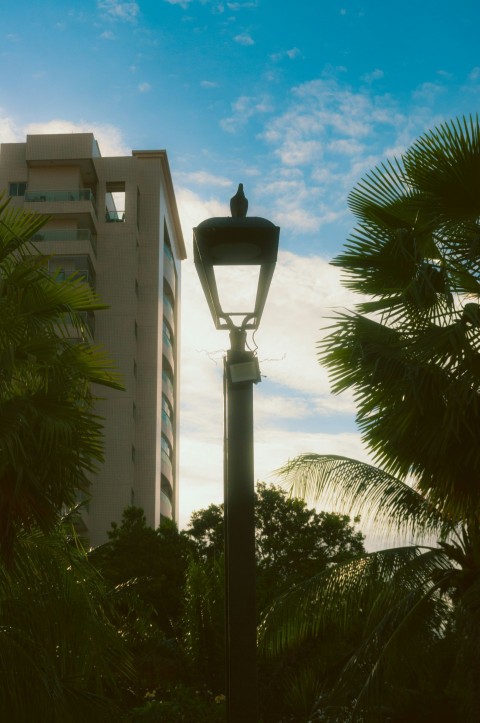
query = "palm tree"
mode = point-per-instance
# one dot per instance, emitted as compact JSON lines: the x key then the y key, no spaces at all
{"x":410,"y":352}
{"x":61,"y":657}
{"x":412,"y":612}
{"x":411,"y":349}
{"x":50,"y":438}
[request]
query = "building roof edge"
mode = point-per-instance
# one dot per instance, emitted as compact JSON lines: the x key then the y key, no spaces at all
{"x":162,"y":155}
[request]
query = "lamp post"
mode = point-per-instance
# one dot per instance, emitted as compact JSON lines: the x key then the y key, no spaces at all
{"x":250,"y":246}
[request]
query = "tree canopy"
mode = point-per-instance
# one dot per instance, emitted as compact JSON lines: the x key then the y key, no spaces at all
{"x":50,"y":437}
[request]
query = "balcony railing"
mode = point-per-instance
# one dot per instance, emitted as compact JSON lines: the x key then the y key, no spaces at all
{"x":65,"y":234}
{"x":166,"y":507}
{"x":167,"y":386}
{"x":114,"y":216}
{"x":79,"y":275}
{"x":74,"y":194}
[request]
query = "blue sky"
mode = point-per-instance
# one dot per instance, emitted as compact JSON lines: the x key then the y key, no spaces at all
{"x":297,"y":100}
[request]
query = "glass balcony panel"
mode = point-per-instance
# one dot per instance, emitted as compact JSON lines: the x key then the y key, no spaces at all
{"x":167,"y":387}
{"x":74,"y":194}
{"x":169,"y":269}
{"x":167,"y":427}
{"x":168,"y":311}
{"x":168,"y":351}
{"x":66,"y":234}
{"x":114,"y":216}
{"x":167,"y":468}
{"x":166,"y":507}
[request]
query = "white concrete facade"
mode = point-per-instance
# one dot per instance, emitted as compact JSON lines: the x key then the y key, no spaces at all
{"x":115,"y":221}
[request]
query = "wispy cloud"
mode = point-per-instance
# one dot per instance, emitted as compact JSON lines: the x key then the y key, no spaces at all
{"x":208,"y":84}
{"x":203,"y":178}
{"x":244,"y":108}
{"x":241,"y":5}
{"x":291,"y":54}
{"x":182,"y":3}
{"x":374,"y":75}
{"x":144,"y":87}
{"x":244,"y":39}
{"x":118,"y":10}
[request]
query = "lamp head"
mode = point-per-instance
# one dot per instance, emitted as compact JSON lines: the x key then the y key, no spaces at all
{"x":249,"y":245}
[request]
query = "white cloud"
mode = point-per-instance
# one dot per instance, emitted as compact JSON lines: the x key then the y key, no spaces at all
{"x":144,"y":87}
{"x":107,"y":35}
{"x":118,"y":10}
{"x":241,"y":5}
{"x":193,"y":210}
{"x":295,"y":387}
{"x":374,"y":75}
{"x":428,"y":92}
{"x":291,"y":54}
{"x":244,"y":39}
{"x":347,"y":146}
{"x":109,"y":137}
{"x":203,"y":178}
{"x":181,"y":3}
{"x":9,"y":130}
{"x":245,"y":108}
{"x":474,"y":73}
{"x":208,"y":84}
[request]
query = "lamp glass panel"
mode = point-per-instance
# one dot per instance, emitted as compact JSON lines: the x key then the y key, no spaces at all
{"x":237,"y":288}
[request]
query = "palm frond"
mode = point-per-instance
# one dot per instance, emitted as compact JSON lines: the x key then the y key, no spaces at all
{"x":378,"y":497}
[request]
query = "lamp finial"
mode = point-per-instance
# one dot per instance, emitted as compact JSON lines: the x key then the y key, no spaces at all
{"x":238,"y":203}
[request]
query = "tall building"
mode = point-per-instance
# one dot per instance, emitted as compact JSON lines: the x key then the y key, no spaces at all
{"x":115,"y":222}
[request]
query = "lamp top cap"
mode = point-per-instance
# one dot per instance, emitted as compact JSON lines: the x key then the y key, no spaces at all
{"x":238,"y":219}
{"x":235,"y":222}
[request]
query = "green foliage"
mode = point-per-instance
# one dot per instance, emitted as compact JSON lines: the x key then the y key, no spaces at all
{"x":50,"y":438}
{"x":293,"y":543}
{"x":61,"y":657}
{"x":152,"y":562}
{"x":411,"y":354}
{"x":184,"y":705}
{"x":417,"y":607}
{"x":145,"y":570}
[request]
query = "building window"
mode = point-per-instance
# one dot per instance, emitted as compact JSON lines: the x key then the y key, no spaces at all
{"x":132,"y":497}
{"x":17,"y":188}
{"x":115,"y":201}
{"x":133,"y":453}
{"x":134,"y":368}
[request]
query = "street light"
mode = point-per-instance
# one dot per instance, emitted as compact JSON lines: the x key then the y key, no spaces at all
{"x":230,"y":254}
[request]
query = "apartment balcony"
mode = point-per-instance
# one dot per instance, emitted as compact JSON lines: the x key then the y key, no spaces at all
{"x":63,"y":266}
{"x":88,"y":323}
{"x":169,"y":269}
{"x":167,"y":467}
{"x":167,"y":428}
{"x":167,"y":388}
{"x":168,"y":311}
{"x":166,"y":507}
{"x":115,"y":216}
{"x":167,"y":351}
{"x":78,"y":203}
{"x":74,"y":237}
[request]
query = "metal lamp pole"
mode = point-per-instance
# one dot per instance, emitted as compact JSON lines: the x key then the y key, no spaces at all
{"x":238,"y":242}
{"x":239,"y":495}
